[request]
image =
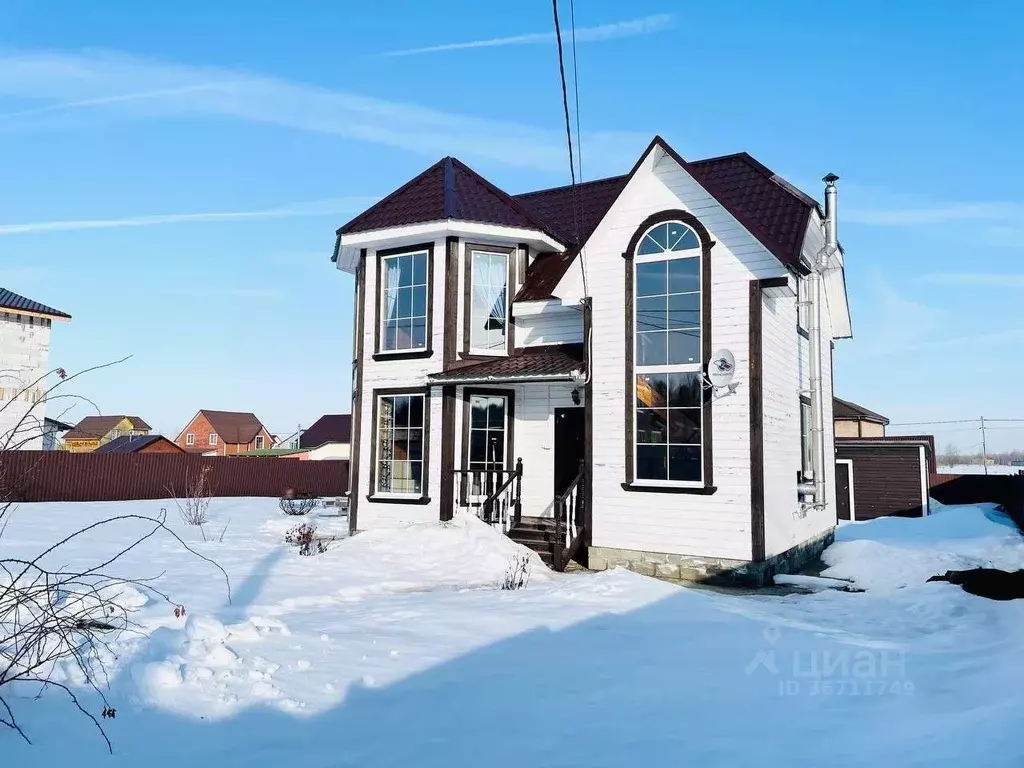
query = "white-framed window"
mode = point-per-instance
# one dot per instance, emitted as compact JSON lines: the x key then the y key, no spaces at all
{"x":399,"y":444}
{"x":488,"y":301}
{"x":668,"y":365}
{"x":404,"y":296}
{"x":190,"y":439}
{"x":259,"y":442}
{"x":213,"y":438}
{"x":487,"y":432}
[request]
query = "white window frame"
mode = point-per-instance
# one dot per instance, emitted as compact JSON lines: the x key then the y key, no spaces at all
{"x":190,"y":439}
{"x":382,"y":300}
{"x":507,"y":256}
{"x":212,"y":438}
{"x":506,"y":430}
{"x":638,"y":370}
{"x":258,"y":442}
{"x":376,"y":491}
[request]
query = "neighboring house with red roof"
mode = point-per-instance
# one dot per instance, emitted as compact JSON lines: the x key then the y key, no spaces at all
{"x":92,"y":432}
{"x":224,"y":433}
{"x":329,"y":437}
{"x":590,"y":332}
{"x":24,"y":353}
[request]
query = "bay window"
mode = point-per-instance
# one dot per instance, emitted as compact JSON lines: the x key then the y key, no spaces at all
{"x":487,"y":300}
{"x":399,"y":444}
{"x":404,"y":296}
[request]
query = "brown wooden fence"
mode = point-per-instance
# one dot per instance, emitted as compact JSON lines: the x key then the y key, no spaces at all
{"x":1005,"y":490}
{"x":59,"y":476}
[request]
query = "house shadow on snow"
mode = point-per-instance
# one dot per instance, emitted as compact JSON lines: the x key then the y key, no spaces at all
{"x":678,"y":682}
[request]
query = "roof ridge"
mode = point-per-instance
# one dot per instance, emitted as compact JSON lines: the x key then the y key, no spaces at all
{"x":765,"y":171}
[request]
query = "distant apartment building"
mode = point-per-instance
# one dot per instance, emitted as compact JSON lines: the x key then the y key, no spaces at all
{"x":24,"y":351}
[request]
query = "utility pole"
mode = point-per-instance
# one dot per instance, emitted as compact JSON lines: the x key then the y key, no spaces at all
{"x":984,"y":447}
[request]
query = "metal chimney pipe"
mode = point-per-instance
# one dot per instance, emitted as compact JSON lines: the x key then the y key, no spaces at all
{"x":815,"y":342}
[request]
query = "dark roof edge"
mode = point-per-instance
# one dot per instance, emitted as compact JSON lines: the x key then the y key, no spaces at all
{"x":867,"y":415}
{"x":341,"y":230}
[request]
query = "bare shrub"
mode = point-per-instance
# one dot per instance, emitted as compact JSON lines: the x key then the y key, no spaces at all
{"x":517,"y":574}
{"x":195,"y":507}
{"x":54,"y":616}
{"x":304,"y":536}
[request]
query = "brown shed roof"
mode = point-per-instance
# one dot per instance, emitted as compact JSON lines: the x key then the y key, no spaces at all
{"x":527,"y":363}
{"x":330,"y":428}
{"x":234,"y":427}
{"x":844,"y":409}
{"x":93,"y":427}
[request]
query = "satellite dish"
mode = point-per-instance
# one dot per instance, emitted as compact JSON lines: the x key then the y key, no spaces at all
{"x":721,"y":368}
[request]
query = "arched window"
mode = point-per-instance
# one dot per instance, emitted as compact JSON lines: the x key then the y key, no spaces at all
{"x":667,"y":411}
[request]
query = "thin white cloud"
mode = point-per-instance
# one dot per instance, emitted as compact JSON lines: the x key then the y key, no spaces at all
{"x":984,"y":279}
{"x":121,"y":86}
{"x":320,"y":208}
{"x":632,"y":28}
{"x":910,"y":217}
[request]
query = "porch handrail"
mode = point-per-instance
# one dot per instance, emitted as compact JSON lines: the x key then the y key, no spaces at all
{"x":570,"y":510}
{"x":506,"y":500}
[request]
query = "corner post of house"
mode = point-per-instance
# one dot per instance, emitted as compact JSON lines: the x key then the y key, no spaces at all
{"x":519,"y":490}
{"x":447,"y":494}
{"x":588,"y":429}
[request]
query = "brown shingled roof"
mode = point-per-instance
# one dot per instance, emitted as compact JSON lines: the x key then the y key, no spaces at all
{"x":844,"y":409}
{"x":527,"y":363}
{"x":330,"y":428}
{"x":233,"y":427}
{"x":449,"y":189}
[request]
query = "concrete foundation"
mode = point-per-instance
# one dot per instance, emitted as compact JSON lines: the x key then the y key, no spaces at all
{"x":662,"y":565}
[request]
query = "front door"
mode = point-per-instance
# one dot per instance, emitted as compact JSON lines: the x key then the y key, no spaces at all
{"x":569,"y":440}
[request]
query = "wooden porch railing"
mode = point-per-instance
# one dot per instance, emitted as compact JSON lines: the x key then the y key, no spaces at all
{"x":493,"y":495}
{"x":570,"y":520}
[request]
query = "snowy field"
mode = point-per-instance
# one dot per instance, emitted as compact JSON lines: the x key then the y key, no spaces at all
{"x":978,"y":469}
{"x":398,"y":649}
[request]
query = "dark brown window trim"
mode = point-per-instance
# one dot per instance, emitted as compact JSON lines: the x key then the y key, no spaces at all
{"x":706,"y":244}
{"x":803,"y":332}
{"x":374,"y":426}
{"x":510,"y":419}
{"x":451,"y":302}
{"x":383,"y":254}
{"x":419,"y":354}
{"x":419,"y":500}
{"x":698,"y":490}
{"x":467,"y":298}
{"x":447,"y":511}
{"x":357,"y":392}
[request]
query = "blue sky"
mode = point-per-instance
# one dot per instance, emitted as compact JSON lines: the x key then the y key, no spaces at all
{"x":129,"y":129}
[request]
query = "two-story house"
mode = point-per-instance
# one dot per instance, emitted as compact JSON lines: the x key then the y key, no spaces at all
{"x":558,"y":362}
{"x":24,"y":349}
{"x":224,"y":433}
{"x":93,"y":431}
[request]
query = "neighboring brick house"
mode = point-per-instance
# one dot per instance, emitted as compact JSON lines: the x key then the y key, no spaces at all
{"x":224,"y":433}
{"x":24,"y":349}
{"x":140,"y":444}
{"x":93,"y":431}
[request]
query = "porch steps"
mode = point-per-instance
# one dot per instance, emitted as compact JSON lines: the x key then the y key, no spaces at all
{"x":538,"y":534}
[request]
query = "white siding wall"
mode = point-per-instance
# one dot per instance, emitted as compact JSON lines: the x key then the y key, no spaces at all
{"x":711,"y":526}
{"x":411,"y":374}
{"x":785,"y":367}
{"x":24,"y":349}
{"x":561,"y":326}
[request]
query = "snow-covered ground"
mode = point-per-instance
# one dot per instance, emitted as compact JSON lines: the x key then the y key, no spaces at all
{"x":977,"y":469}
{"x":398,"y":649}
